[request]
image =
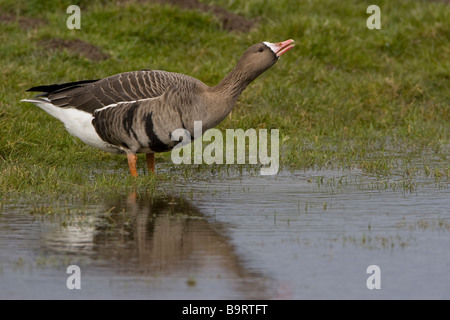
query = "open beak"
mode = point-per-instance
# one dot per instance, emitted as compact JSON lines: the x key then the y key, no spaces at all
{"x":281,"y":47}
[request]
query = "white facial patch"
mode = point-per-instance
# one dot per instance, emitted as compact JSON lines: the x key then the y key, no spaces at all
{"x":272,"y":46}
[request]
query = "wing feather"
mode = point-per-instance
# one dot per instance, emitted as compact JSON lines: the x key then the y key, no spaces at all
{"x":90,"y":95}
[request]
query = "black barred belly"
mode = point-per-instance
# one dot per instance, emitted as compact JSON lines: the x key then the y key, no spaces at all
{"x":128,"y":127}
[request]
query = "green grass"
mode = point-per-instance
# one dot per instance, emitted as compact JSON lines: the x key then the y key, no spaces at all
{"x":344,"y":97}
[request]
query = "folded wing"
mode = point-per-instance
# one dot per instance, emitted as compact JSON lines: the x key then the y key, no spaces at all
{"x":90,"y":95}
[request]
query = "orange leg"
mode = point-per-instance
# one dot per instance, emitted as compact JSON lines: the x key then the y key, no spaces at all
{"x":132,"y":197}
{"x":150,"y":158}
{"x":132,"y":160}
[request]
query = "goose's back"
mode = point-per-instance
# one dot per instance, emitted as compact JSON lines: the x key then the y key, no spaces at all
{"x":122,"y":87}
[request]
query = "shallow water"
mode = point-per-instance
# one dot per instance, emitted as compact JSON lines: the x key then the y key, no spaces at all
{"x":301,"y":235}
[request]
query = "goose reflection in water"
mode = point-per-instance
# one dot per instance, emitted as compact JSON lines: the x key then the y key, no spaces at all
{"x":160,"y":237}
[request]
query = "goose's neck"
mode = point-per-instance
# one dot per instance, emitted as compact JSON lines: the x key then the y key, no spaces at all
{"x":231,"y":87}
{"x":223,"y":97}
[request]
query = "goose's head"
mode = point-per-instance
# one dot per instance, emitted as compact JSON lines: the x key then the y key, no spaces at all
{"x":261,"y":56}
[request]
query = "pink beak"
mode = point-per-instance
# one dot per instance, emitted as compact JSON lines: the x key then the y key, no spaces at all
{"x":280,"y":48}
{"x":284,"y":47}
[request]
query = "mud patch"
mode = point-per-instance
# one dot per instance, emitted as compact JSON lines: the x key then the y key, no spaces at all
{"x":25,"y":23}
{"x":76,"y":46}
{"x":230,"y":21}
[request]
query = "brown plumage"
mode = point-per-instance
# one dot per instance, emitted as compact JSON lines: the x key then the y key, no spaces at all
{"x":136,"y":112}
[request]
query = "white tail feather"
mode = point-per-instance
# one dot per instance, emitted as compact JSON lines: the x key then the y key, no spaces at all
{"x":77,"y":122}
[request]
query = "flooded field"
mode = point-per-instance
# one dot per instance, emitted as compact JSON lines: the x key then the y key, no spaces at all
{"x":297,"y":235}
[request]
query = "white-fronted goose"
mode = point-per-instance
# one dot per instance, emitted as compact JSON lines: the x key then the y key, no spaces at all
{"x":136,"y":112}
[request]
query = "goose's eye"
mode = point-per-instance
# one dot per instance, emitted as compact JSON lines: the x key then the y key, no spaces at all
{"x":261,"y":49}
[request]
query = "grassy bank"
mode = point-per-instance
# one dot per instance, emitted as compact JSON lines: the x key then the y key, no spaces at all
{"x":344,"y":97}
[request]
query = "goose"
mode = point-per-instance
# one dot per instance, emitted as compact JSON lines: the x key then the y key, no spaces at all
{"x":137,"y":111}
